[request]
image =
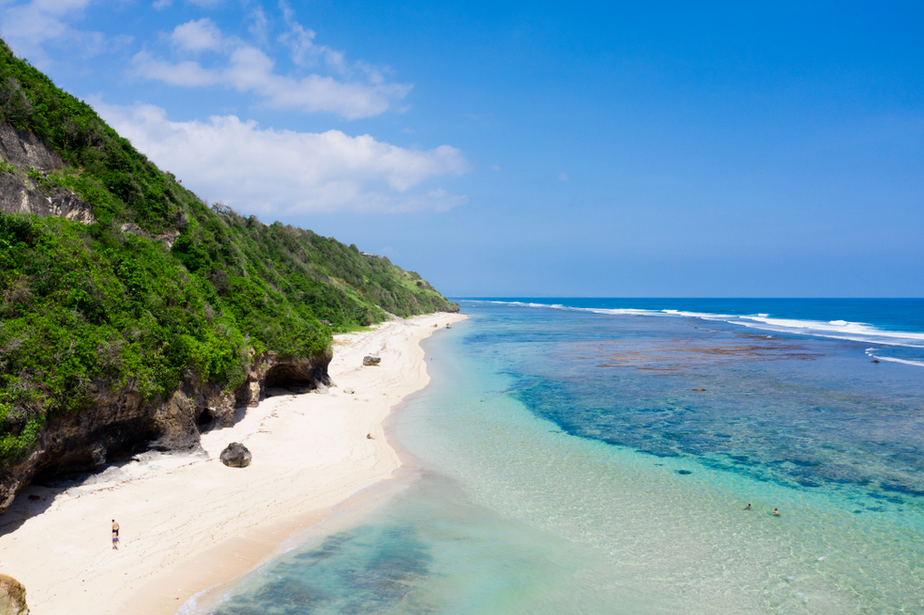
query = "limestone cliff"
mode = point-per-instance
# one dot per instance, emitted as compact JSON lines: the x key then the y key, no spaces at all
{"x":120,"y":423}
{"x":25,"y":162}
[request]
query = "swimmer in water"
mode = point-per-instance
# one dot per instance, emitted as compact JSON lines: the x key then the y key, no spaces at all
{"x":776,"y":512}
{"x":748,"y":507}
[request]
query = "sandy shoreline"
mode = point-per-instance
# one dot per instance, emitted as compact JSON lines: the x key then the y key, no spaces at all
{"x":188,"y":522}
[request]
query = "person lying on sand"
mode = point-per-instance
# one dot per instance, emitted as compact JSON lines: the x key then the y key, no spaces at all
{"x":369,"y":436}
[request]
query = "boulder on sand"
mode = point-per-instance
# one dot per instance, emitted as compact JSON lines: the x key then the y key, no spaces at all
{"x":370,"y":360}
{"x":236,"y":455}
{"x":12,"y":597}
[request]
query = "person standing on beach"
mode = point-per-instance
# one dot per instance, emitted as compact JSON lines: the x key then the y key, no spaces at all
{"x":115,"y":535}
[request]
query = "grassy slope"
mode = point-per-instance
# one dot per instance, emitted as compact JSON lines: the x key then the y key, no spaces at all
{"x":86,"y":311}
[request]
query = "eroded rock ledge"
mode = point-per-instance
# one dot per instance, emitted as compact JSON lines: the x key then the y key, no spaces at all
{"x":20,"y":193}
{"x":120,"y":424}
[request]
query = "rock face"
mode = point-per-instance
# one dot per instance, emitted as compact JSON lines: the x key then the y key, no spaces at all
{"x":370,"y":360}
{"x":12,"y":597}
{"x":24,"y":149}
{"x":121,"y":424}
{"x":236,"y":455}
{"x":168,"y":238}
{"x":298,"y":377}
{"x":22,"y":193}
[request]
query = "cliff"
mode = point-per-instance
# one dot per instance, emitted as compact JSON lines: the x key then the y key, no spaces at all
{"x":132,"y":314}
{"x":23,"y":187}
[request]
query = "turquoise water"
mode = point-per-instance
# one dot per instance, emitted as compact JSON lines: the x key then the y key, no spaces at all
{"x":598,"y":459}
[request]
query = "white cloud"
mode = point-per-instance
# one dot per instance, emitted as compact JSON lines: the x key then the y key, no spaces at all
{"x":27,"y":26}
{"x":359,"y":90}
{"x":250,"y":70}
{"x":562,"y":177}
{"x":304,"y":52}
{"x":205,"y":4}
{"x":189,"y":74}
{"x":259,"y":25}
{"x":197,"y":36}
{"x":276,"y":171}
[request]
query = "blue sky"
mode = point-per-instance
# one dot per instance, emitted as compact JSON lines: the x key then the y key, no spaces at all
{"x":533,"y":149}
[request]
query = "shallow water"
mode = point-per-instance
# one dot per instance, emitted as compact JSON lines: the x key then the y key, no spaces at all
{"x":570,"y":466}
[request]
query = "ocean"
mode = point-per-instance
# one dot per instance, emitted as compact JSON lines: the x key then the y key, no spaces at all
{"x":627,"y":456}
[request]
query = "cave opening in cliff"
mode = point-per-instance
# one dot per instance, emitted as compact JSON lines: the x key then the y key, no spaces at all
{"x":289,"y":377}
{"x":204,"y":419}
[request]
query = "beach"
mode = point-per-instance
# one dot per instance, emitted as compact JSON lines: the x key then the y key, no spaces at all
{"x":590,"y":457}
{"x":187,"y":521}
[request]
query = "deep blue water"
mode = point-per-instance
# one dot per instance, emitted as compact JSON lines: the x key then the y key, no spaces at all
{"x":595,"y":456}
{"x":888,"y":314}
{"x":893,"y":327}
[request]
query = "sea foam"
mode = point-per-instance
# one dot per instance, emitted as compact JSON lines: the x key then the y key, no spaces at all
{"x":836,"y":328}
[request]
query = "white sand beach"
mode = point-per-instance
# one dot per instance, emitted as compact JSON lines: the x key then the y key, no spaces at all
{"x":188,"y":522}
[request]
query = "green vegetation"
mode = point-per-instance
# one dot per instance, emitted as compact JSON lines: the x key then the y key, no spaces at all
{"x":88,"y":311}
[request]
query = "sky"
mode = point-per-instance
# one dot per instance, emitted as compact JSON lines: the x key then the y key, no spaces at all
{"x":557,"y":149}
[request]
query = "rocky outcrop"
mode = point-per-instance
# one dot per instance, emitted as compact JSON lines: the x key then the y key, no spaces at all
{"x":12,"y":597}
{"x":22,"y":193}
{"x":236,"y":455}
{"x":370,"y":360}
{"x":267,"y":371}
{"x":121,"y":424}
{"x":23,"y":149}
{"x":167,"y":238}
{"x":298,"y":377}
